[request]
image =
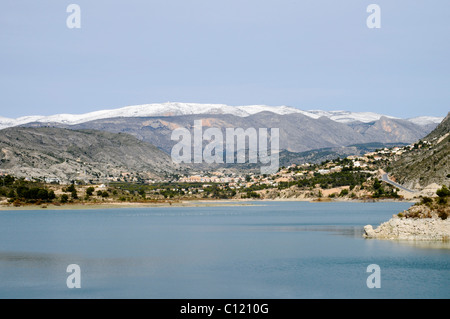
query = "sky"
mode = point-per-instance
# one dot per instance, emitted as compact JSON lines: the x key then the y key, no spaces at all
{"x":308,"y":54}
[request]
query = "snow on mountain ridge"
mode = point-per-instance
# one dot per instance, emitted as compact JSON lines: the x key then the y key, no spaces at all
{"x":426,"y":120}
{"x":347,"y":116}
{"x":178,"y":108}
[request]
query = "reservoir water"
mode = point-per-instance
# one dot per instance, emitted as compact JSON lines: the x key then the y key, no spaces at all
{"x":264,"y":250}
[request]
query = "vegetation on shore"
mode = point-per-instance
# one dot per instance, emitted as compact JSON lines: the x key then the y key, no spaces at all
{"x":351,"y":178}
{"x":430,"y":207}
{"x":348,"y":184}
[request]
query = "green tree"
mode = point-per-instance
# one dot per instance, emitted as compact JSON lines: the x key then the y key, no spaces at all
{"x":42,"y":194}
{"x":64,"y":198}
{"x":427,"y":200}
{"x":90,"y":191}
{"x":11,"y":194}
{"x":22,"y":191}
{"x":443,"y":194}
{"x":8,"y":180}
{"x":51,"y":195}
{"x":376,"y":184}
{"x":443,"y":191}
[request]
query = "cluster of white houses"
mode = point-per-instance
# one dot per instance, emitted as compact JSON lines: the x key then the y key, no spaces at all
{"x":210,"y":179}
{"x":295,"y":171}
{"x":365,"y":162}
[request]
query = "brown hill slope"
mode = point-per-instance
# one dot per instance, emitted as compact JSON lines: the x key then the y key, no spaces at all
{"x":428,"y":162}
{"x":86,"y":154}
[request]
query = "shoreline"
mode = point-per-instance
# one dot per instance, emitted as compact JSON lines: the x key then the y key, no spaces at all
{"x":410,"y":229}
{"x":424,"y":222}
{"x":187,"y":203}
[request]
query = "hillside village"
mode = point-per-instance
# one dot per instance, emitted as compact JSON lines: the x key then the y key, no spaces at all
{"x":350,"y":178}
{"x":377,"y":175}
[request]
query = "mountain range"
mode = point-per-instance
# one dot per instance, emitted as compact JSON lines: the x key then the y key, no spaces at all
{"x":179,"y":109}
{"x":299,"y":130}
{"x":136,"y":140}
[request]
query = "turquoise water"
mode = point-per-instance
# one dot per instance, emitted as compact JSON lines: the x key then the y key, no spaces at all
{"x":270,"y":250}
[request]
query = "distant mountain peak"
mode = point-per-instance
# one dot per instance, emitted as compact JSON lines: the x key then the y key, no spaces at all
{"x":180,"y":109}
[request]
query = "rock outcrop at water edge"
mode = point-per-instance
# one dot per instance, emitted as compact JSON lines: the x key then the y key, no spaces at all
{"x":417,"y":223}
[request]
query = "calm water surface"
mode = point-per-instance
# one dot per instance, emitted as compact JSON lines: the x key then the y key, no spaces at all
{"x":270,"y":250}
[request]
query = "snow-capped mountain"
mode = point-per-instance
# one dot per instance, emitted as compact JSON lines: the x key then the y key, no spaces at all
{"x":348,"y":117}
{"x":175,"y":108}
{"x":426,"y":120}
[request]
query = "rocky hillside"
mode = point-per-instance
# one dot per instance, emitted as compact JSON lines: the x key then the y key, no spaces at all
{"x":298,"y":132}
{"x":55,"y":153}
{"x":428,"y":162}
{"x":390,"y":130}
{"x":427,"y":220}
{"x":410,"y":229}
{"x":441,"y":130}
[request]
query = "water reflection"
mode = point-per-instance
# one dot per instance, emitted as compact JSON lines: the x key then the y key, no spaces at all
{"x":350,"y":231}
{"x":441,"y":245}
{"x":32,"y":259}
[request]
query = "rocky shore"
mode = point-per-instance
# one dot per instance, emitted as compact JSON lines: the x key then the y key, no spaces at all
{"x":420,"y":222}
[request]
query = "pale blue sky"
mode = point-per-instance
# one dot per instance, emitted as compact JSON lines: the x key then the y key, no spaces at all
{"x":308,"y":54}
